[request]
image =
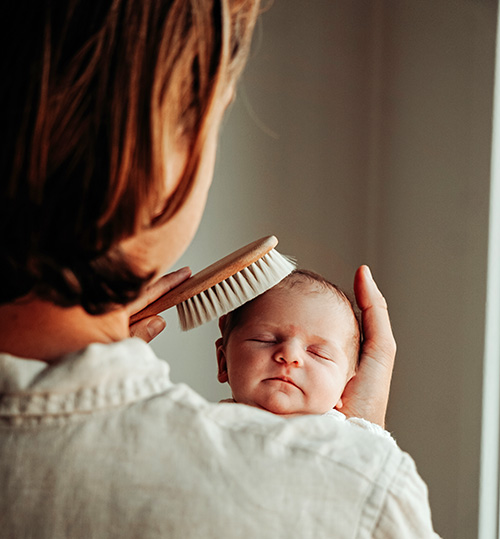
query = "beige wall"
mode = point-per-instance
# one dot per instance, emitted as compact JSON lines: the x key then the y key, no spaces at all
{"x":361,"y":134}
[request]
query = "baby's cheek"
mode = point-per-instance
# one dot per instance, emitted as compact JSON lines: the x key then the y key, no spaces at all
{"x":329,"y":390}
{"x":244,"y":385}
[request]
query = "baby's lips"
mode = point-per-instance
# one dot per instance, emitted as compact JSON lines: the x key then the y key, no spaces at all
{"x":286,"y":379}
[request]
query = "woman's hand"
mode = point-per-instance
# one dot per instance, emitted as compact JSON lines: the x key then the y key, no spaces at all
{"x":367,"y":394}
{"x":148,"y":328}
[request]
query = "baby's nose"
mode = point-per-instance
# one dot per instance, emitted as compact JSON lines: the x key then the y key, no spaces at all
{"x":288,"y":353}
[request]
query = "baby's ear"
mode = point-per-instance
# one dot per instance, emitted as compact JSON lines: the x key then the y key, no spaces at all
{"x":340,"y":403}
{"x":222,"y":323}
{"x":222,"y":364}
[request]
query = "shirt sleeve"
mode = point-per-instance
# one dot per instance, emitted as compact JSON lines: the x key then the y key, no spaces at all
{"x":406,"y":512}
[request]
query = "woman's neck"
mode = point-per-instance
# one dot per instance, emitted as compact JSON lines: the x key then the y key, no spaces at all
{"x":37,"y":329}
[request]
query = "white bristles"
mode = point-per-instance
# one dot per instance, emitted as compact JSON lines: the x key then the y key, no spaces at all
{"x":241,"y":287}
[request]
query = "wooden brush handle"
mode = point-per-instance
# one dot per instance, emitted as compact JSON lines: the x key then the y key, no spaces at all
{"x":216,"y":273}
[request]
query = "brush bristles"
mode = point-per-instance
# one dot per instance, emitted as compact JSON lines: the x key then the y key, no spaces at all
{"x":241,"y":287}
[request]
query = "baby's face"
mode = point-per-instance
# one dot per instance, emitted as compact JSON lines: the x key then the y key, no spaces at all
{"x":290,"y":352}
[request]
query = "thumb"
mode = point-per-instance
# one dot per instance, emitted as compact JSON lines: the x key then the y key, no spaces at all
{"x":148,"y":328}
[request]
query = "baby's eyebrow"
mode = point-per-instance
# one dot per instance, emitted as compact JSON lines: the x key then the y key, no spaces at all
{"x":258,"y":324}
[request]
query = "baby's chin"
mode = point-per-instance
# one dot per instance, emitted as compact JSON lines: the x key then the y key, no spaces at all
{"x":284,"y":405}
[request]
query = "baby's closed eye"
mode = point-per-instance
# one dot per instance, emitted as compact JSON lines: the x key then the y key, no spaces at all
{"x":265,"y":339}
{"x":318,"y":352}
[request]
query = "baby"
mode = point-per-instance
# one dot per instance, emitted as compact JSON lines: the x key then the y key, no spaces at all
{"x":293,"y":349}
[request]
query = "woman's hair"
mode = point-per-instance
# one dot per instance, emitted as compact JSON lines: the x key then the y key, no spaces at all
{"x":95,"y":95}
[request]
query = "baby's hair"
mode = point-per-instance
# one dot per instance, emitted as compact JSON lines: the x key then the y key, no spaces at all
{"x":296,"y":278}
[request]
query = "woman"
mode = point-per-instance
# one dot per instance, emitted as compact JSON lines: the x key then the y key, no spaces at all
{"x":111,"y":114}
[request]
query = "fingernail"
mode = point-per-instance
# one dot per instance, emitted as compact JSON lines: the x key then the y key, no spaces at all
{"x":156,"y":326}
{"x":186,"y":271}
{"x":371,"y":279}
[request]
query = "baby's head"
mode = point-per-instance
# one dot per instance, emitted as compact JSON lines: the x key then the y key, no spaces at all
{"x":293,"y":349}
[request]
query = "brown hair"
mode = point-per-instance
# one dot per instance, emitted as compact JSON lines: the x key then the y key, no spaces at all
{"x":297,"y":277}
{"x":93,"y":92}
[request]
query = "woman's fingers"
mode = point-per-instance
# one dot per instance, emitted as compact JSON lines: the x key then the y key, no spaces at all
{"x":158,"y":288}
{"x":148,"y":328}
{"x":378,"y":339}
{"x":367,"y":394}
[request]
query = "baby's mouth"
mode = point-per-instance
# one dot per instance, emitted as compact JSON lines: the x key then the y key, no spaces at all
{"x":284,"y":379}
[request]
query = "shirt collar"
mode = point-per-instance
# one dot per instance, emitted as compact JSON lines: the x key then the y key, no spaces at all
{"x":100,"y":376}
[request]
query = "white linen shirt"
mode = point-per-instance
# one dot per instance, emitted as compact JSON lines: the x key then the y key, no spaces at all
{"x":102,"y":444}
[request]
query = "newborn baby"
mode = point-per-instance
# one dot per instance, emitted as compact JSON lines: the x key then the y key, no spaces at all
{"x":292,"y":350}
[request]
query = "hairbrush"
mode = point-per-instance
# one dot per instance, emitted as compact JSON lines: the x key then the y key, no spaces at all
{"x":225,"y":285}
